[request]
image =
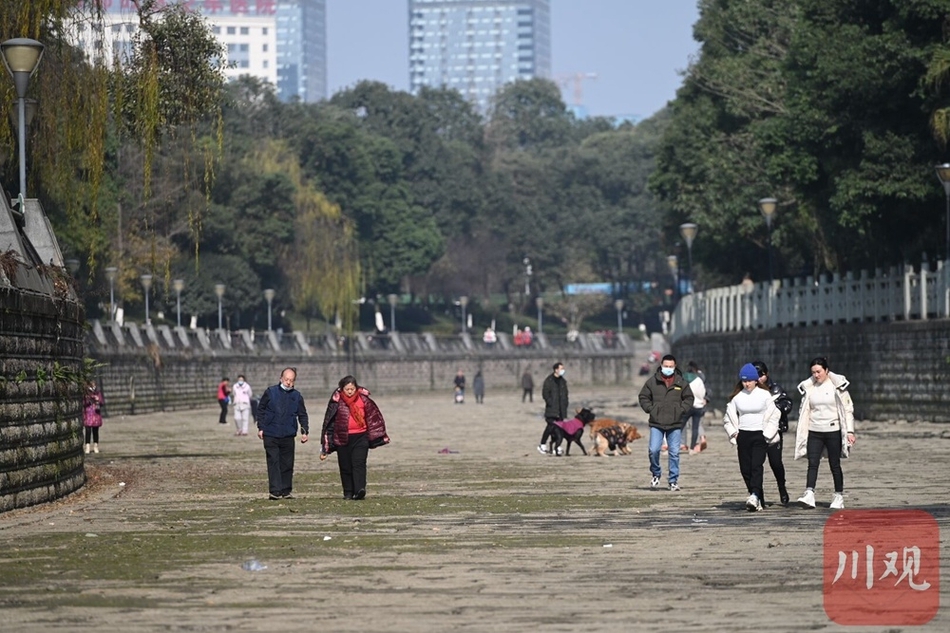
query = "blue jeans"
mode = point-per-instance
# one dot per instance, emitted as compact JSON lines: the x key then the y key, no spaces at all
{"x":673,"y":438}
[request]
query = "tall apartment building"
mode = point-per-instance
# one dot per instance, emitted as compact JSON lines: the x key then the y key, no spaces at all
{"x":282,"y":42}
{"x":477,"y":46}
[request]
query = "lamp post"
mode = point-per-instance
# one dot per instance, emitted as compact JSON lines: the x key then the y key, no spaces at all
{"x":767,"y":207}
{"x":178,"y":285}
{"x":539,"y":301}
{"x":393,"y":300}
{"x":219,"y":291}
{"x":688,"y":230}
{"x":269,"y":298}
{"x":21,"y":56}
{"x":111,"y":272}
{"x":527,"y":276}
{"x":619,"y":305}
{"x":943,"y":173}
{"x":673,"y":262}
{"x":463,"y":301}
{"x":146,"y":285}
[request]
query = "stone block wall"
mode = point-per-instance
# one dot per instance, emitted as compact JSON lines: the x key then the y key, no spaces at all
{"x":898,"y":370}
{"x":41,"y":363}
{"x":145,"y":383}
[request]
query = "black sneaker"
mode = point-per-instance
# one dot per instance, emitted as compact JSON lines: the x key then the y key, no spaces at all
{"x":360,"y":494}
{"x":274,"y":497}
{"x":288,"y":496}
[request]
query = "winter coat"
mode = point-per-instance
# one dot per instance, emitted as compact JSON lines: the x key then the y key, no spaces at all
{"x":279,"y":412}
{"x":92,"y":408}
{"x":782,"y":402}
{"x":770,"y":425}
{"x":527,"y":382}
{"x":554,"y":394}
{"x":845,"y":413}
{"x":478,"y":385}
{"x":336,"y":427}
{"x":669,"y":407}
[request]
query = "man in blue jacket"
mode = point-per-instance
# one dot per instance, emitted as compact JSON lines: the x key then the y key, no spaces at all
{"x":279,"y":413}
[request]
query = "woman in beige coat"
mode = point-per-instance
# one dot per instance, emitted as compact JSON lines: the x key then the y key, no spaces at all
{"x":825,"y":427}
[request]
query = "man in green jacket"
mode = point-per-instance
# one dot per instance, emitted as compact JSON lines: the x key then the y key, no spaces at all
{"x":667,"y":398}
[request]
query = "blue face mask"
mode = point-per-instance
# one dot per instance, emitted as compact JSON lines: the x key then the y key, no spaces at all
{"x":667,"y":371}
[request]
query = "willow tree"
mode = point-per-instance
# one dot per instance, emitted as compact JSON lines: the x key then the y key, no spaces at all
{"x":323,"y":262}
{"x":164,"y":93}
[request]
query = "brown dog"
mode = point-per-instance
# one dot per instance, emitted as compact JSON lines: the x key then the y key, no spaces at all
{"x":612,"y":438}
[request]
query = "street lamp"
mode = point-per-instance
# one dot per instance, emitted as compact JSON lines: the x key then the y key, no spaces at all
{"x":619,"y":305}
{"x":943,"y":173}
{"x":673,"y":262}
{"x":393,"y":300}
{"x":178,"y":285}
{"x":768,"y":206}
{"x":110,"y":275}
{"x":219,"y":290}
{"x":21,"y":56}
{"x":527,"y":276}
{"x":146,"y":284}
{"x":539,"y":301}
{"x":688,"y":230}
{"x":269,"y":298}
{"x":463,"y":301}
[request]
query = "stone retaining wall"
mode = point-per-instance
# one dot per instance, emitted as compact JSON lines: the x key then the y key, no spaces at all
{"x":41,"y":363}
{"x":898,"y":370}
{"x":146,"y":383}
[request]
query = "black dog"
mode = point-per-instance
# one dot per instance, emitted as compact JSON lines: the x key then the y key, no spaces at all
{"x":570,"y":430}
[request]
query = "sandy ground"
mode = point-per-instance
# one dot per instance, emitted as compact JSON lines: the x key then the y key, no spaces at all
{"x":491,"y":536}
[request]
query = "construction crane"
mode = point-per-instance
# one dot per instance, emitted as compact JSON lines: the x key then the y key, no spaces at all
{"x":575,"y":81}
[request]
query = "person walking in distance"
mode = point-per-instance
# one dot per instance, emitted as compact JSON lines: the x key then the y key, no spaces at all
{"x":554,"y":394}
{"x":751,"y":422}
{"x":774,"y":451}
{"x":459,"y":387}
{"x":241,"y":394}
{"x":668,"y":400}
{"x":825,"y":425}
{"x":698,"y":386}
{"x":527,"y":386}
{"x":92,"y":416}
{"x":352,"y":426}
{"x":478,"y":387}
{"x":224,"y":398}
{"x":279,"y":413}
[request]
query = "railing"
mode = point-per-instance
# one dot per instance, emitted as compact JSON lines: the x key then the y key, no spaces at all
{"x":894,"y":295}
{"x":110,"y":337}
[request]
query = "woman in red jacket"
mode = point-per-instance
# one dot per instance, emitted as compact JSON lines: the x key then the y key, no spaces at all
{"x":352,"y":425}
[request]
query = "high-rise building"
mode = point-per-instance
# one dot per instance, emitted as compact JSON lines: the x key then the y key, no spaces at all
{"x":282,"y":42}
{"x":477,"y":46}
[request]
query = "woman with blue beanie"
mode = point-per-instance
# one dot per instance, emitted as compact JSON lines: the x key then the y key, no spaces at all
{"x":752,"y":422}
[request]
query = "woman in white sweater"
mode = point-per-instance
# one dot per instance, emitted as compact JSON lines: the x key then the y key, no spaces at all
{"x":751,"y":422}
{"x":825,"y":426}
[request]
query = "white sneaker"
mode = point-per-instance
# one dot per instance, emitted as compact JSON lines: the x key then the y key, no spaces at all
{"x":837,"y":502}
{"x":95,"y":448}
{"x":560,"y":451}
{"x":542,"y":449}
{"x":655,"y":482}
{"x":807,"y":500}
{"x":85,"y":449}
{"x":753,"y":504}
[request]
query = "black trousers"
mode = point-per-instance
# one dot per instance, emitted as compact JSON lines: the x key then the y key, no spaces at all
{"x":223,"y":418}
{"x":818,"y":442}
{"x":280,"y":464}
{"x":528,"y":393}
{"x":93,"y":432}
{"x":752,"y":449}
{"x":547,"y":435}
{"x":774,"y":451}
{"x":352,"y":460}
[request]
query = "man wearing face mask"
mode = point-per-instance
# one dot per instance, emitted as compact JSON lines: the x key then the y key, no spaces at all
{"x":279,"y":413}
{"x":554,"y":393}
{"x":667,"y":398}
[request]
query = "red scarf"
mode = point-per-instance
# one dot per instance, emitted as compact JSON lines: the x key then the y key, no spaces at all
{"x":355,"y":405}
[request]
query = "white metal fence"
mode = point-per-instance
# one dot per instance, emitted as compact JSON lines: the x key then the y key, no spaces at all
{"x":893,"y":295}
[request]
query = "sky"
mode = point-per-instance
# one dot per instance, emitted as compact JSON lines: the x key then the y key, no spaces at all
{"x":637,"y":48}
